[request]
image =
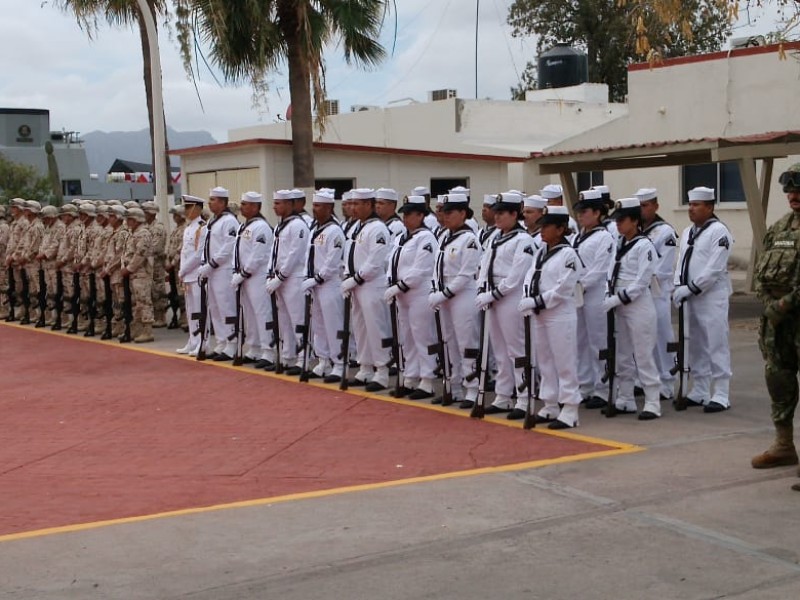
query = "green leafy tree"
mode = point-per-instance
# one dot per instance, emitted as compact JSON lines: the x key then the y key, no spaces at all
{"x":249,"y":39}
{"x":611,"y":32}
{"x":22,"y":181}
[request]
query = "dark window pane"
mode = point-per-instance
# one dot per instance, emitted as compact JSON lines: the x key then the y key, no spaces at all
{"x":71,"y":187}
{"x":698,"y":175}
{"x":731,"y":189}
{"x":587,"y":179}
{"x":442,"y":185}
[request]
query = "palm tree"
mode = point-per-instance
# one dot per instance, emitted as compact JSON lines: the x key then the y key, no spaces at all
{"x":249,"y":38}
{"x":122,"y":13}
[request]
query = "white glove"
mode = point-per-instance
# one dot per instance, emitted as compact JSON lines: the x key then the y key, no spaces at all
{"x":348,"y":285}
{"x":681,"y":293}
{"x":308,"y":285}
{"x":390,"y":293}
{"x":611,"y":302}
{"x":483,"y":300}
{"x":526,"y":306}
{"x":237,"y":280}
{"x":436,"y":299}
{"x":273,"y":283}
{"x":204,"y":271}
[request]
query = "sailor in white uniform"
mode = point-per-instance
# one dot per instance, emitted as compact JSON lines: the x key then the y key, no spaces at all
{"x":554,"y":194}
{"x":191,"y":257}
{"x":386,"y":209}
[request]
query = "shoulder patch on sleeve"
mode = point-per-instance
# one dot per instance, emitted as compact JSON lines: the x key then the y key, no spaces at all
{"x":380,"y":240}
{"x":528,"y":250}
{"x":671,"y":241}
{"x":337,"y":243}
{"x":262,"y":239}
{"x":232,"y":232}
{"x":571,"y":265}
{"x":428,"y":247}
{"x":302,"y":233}
{"x":724,"y":242}
{"x":472,"y":245}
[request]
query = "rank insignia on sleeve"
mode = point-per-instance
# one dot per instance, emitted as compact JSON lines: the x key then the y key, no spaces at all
{"x":337,"y":244}
{"x":472,"y":245}
{"x":570,"y":265}
{"x":261,"y":239}
{"x":724,"y":242}
{"x":528,"y":250}
{"x":380,"y":240}
{"x":428,"y":247}
{"x":232,"y":233}
{"x":670,"y":242}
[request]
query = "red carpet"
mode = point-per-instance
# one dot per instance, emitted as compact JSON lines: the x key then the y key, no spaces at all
{"x":96,"y":431}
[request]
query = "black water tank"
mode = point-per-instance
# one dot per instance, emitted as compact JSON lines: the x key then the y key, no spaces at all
{"x":562,"y":66}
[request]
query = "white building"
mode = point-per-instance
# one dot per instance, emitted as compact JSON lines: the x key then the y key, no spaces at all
{"x":688,"y":111}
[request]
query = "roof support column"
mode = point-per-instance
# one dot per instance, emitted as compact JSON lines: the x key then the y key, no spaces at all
{"x":756,"y":201}
{"x":570,"y":191}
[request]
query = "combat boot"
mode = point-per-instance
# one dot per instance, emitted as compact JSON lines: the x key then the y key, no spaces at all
{"x":160,"y":320}
{"x":782,"y":451}
{"x":145,"y":334}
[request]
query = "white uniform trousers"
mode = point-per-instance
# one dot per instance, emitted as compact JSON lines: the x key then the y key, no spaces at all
{"x":709,"y":352}
{"x":326,"y":321}
{"x":461,"y":330}
{"x":191,"y":292}
{"x":592,"y":339}
{"x":221,"y":305}
{"x":370,"y":320}
{"x":555,"y":342}
{"x":508,"y":341}
{"x":665,"y":335}
{"x":257,"y":311}
{"x":636,"y":337}
{"x":290,"y":315}
{"x":417,"y":331}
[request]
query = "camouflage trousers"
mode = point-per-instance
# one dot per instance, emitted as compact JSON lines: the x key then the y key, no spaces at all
{"x":160,"y":302}
{"x":50,"y":280}
{"x":99,"y":295}
{"x":141,"y":292}
{"x":32,"y":272}
{"x":780,"y":347}
{"x":3,"y":288}
{"x":68,"y":281}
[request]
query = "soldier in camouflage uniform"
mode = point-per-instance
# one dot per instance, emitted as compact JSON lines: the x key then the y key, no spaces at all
{"x":89,"y":234}
{"x":53,"y":232}
{"x":158,"y":234}
{"x":98,"y":252}
{"x":4,"y":235}
{"x":19,"y":227}
{"x":67,"y":259}
{"x":777,"y":277}
{"x":112,"y":262}
{"x":137,"y":263}
{"x":173,"y":257}
{"x":28,"y":252}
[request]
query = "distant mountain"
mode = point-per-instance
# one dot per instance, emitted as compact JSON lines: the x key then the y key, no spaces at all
{"x":102,"y":147}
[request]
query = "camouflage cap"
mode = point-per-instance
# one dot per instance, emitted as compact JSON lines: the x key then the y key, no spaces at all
{"x":113,"y":203}
{"x":102,"y":210}
{"x":49,"y":212}
{"x":18,"y":202}
{"x":117,"y":211}
{"x":131,"y":204}
{"x":135,"y":213}
{"x":68,"y":209}
{"x":33,"y":206}
{"x":150,"y":207}
{"x":87,"y":208}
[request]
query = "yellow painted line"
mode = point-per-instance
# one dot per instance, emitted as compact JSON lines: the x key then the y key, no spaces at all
{"x":315,"y":494}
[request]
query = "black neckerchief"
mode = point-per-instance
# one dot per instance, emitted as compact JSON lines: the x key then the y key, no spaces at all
{"x":623,"y":249}
{"x":694,"y":233}
{"x":586,"y":235}
{"x":402,"y":240}
{"x":317,"y":230}
{"x":542,"y":258}
{"x":496,"y":243}
{"x":449,"y":239}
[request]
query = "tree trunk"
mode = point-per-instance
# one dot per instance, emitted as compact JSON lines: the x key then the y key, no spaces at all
{"x":148,"y":90}
{"x":300,"y":93}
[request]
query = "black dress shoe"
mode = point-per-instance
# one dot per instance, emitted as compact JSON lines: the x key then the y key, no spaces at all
{"x":332,"y":379}
{"x":420,"y":395}
{"x":595,"y":402}
{"x":664,"y":398}
{"x":212,"y":356}
{"x":494,"y":410}
{"x":294,"y":371}
{"x":270,"y":366}
{"x":516,"y":414}
{"x":559,"y":425}
{"x":585,"y":400}
{"x":646,"y":415}
{"x":620,"y":411}
{"x":312,"y":375}
{"x":246,"y":360}
{"x":374,"y":386}
{"x":466,"y":404}
{"x":356,"y":382}
{"x":261,"y":363}
{"x":538,"y":419}
{"x":221,"y":357}
{"x":438,"y":400}
{"x":401,"y":392}
{"x":714,"y":407}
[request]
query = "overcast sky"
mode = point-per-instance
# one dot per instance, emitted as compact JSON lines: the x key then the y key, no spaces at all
{"x":48,"y":62}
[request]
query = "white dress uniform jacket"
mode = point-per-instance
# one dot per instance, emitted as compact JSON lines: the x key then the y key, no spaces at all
{"x":251,"y":259}
{"x":218,"y":242}
{"x":325,"y":265}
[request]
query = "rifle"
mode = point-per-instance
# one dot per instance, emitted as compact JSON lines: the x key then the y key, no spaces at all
{"x":344,"y":335}
{"x":481,"y":356}
{"x":440,"y":349}
{"x":91,"y":309}
{"x":397,"y":350}
{"x":529,"y":377}
{"x":275,"y":326}
{"x":202,"y":319}
{"x":26,"y":297}
{"x":127,"y":309}
{"x":238,"y":328}
{"x":174,"y":299}
{"x":59,"y":301}
{"x":305,"y":331}
{"x":108,"y":308}
{"x":75,"y":302}
{"x":609,"y":354}
{"x":42,"y":299}
{"x":12,"y":295}
{"x":680,"y":349}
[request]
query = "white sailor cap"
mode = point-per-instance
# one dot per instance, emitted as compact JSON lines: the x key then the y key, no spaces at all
{"x":701,"y":194}
{"x":460,"y":189}
{"x":323,"y":197}
{"x":440,"y":199}
{"x":362,"y":194}
{"x":551,"y":191}
{"x":329,"y":191}
{"x":296,"y":194}
{"x":508,"y":201}
{"x":489,"y":199}
{"x":558,"y":215}
{"x":645,"y":194}
{"x":252,"y":197}
{"x":187,"y":199}
{"x":282,"y":195}
{"x":386,"y":194}
{"x":455,"y":201}
{"x":218,"y":192}
{"x":347,"y":196}
{"x":626,"y":207}
{"x":534,"y":201}
{"x":414,"y":204}
{"x":603,"y":189}
{"x":420,"y":190}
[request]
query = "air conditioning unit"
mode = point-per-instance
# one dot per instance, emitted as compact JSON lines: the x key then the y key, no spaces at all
{"x":748,"y":41}
{"x":330,"y":107}
{"x":363,"y":107}
{"x":441,"y":95}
